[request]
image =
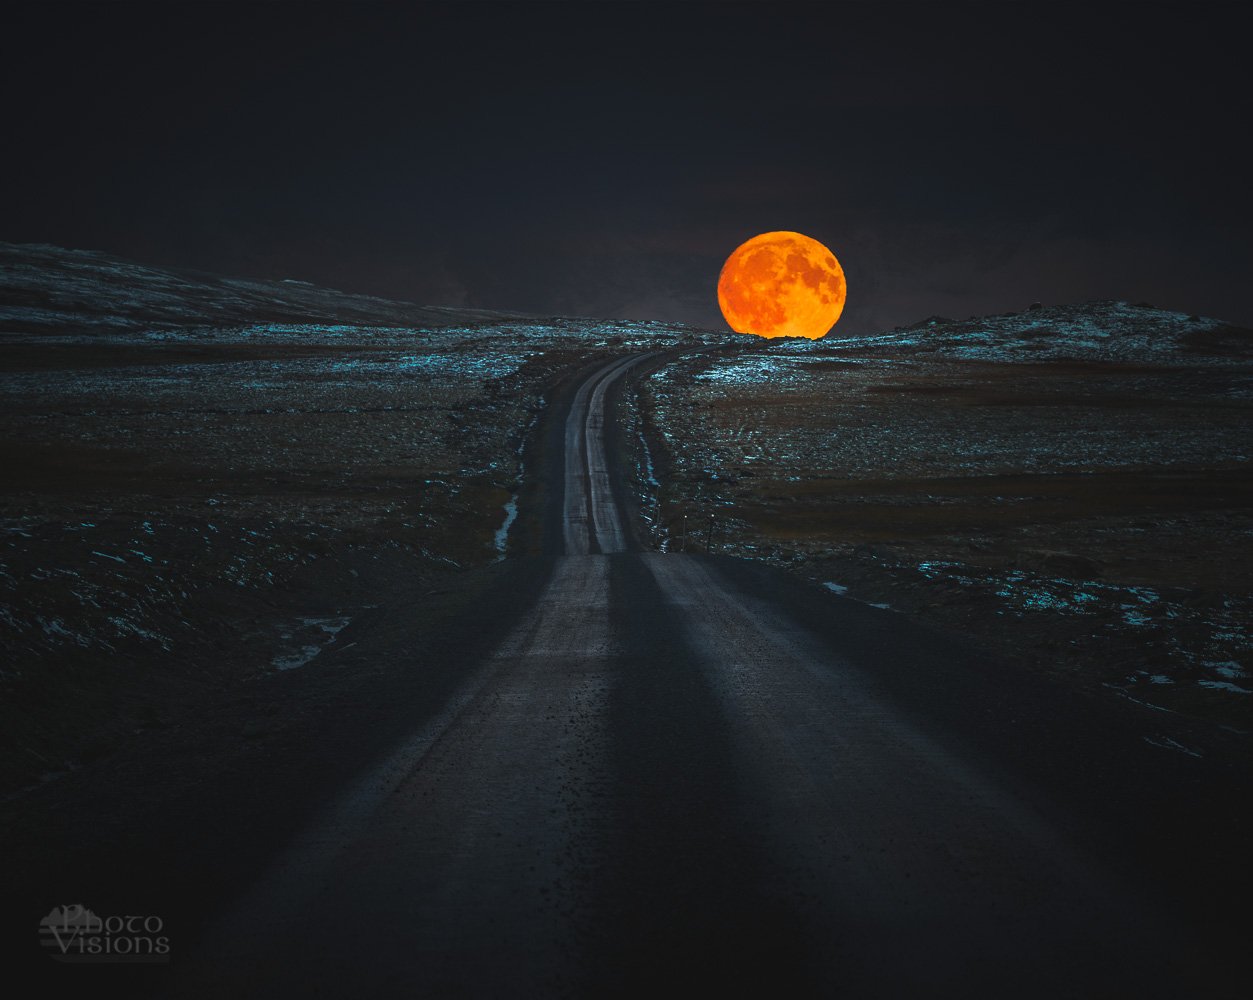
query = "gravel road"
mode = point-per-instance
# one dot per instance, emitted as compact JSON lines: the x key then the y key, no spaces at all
{"x":678,"y":772}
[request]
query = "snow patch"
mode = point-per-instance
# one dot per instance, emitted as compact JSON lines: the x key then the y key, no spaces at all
{"x":1166,"y":743}
{"x":328,"y":627}
{"x":1224,"y":686}
{"x":502,"y":533}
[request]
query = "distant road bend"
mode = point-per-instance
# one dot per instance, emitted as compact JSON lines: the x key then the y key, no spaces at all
{"x":668,"y":777}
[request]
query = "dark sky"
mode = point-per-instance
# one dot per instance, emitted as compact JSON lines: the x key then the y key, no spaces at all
{"x":603,"y":159}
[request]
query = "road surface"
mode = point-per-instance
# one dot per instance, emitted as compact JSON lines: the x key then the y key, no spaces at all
{"x":668,"y":777}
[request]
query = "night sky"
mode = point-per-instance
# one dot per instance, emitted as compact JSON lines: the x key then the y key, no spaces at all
{"x":603,"y":159}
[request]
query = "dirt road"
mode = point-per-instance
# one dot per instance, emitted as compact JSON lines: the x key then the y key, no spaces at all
{"x":677,"y":772}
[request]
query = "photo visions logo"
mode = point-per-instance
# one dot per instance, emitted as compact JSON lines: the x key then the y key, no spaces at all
{"x":75,"y":934}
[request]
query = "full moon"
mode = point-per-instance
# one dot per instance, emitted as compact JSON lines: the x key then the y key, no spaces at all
{"x":782,"y":285}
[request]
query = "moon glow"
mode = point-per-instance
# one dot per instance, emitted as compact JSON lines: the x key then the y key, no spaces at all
{"x":782,"y":285}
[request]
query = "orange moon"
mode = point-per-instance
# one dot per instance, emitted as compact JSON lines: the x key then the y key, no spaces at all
{"x":782,"y":285}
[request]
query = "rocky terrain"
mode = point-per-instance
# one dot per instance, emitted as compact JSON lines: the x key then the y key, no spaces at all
{"x":210,"y":481}
{"x":1070,"y":484}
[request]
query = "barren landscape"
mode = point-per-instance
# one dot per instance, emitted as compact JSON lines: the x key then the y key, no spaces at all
{"x":273,"y":555}
{"x":547,"y":500}
{"x":1069,"y":485}
{"x":208,"y":480}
